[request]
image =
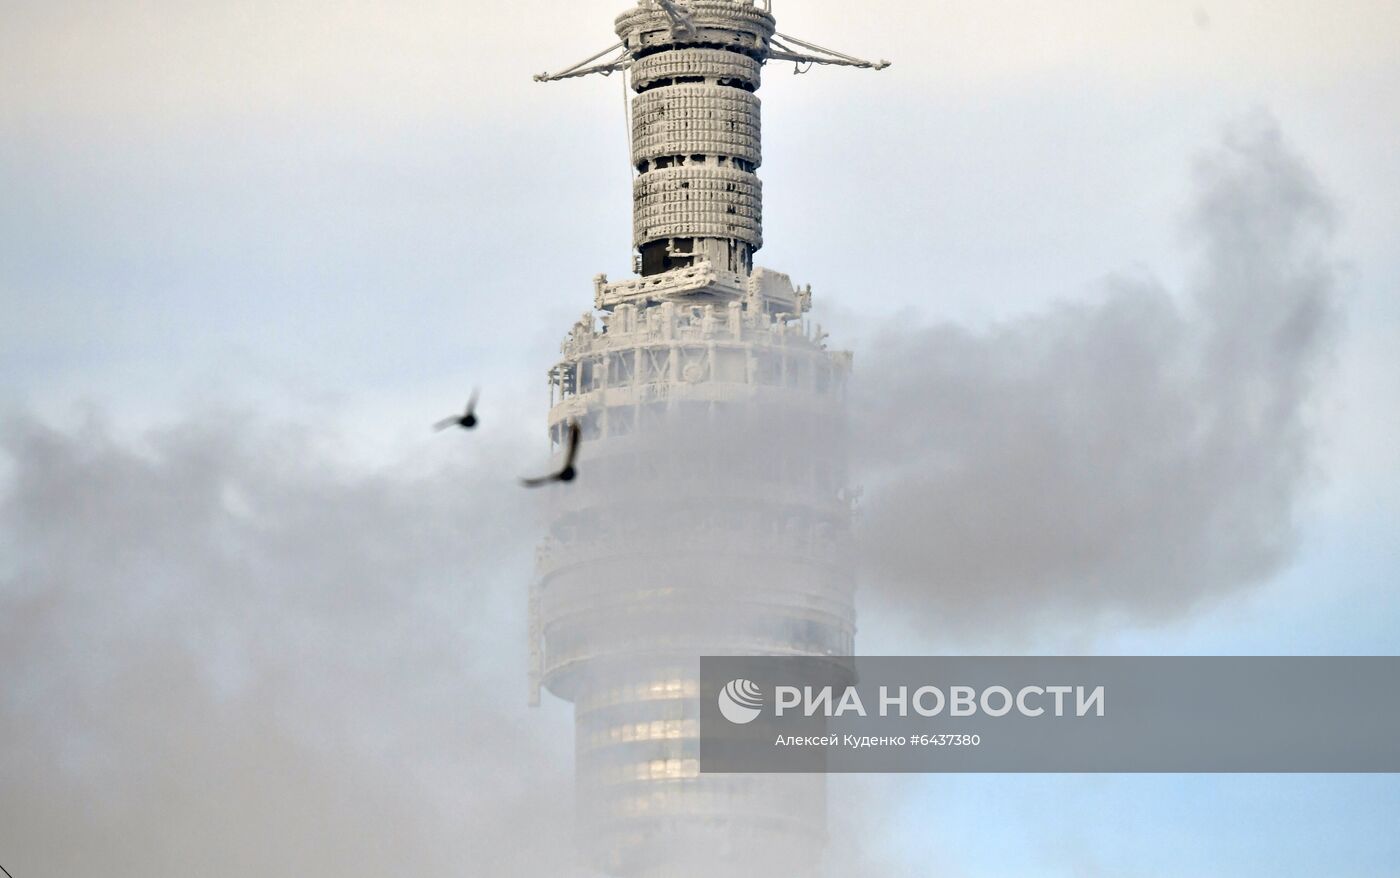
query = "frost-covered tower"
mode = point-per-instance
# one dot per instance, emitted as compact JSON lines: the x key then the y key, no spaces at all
{"x":711,"y":514}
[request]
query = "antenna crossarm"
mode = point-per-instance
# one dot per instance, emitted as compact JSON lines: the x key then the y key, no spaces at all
{"x":814,"y":54}
{"x":586,"y":66}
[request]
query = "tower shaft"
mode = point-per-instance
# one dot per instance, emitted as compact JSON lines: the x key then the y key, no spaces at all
{"x":710,"y":515}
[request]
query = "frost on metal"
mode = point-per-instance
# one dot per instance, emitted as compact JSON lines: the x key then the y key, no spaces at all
{"x":712,"y":512}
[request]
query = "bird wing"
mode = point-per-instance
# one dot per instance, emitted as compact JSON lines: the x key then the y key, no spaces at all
{"x":572,"y":450}
{"x":569,"y":452}
{"x":446,"y":422}
{"x":471,"y":401}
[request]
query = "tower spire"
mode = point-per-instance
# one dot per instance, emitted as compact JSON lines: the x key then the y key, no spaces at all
{"x":696,"y":141}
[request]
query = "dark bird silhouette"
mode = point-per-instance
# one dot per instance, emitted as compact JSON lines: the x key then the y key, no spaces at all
{"x":566,"y":473}
{"x":466,"y":420}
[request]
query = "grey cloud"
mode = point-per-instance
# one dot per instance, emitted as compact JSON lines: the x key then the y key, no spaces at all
{"x":221,"y":655}
{"x":224,"y":653}
{"x":1128,"y":457}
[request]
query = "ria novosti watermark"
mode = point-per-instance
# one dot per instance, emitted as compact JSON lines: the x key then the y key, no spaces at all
{"x":1049,"y":714}
{"x":931,"y":701}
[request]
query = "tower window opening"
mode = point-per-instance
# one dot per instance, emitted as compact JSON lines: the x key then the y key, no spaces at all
{"x":590,"y":425}
{"x":566,"y":380}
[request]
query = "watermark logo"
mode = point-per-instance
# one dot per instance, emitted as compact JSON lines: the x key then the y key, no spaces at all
{"x":1054,"y":714}
{"x":741,"y":701}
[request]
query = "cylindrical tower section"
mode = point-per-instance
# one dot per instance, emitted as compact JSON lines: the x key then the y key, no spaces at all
{"x":696,"y":141}
{"x":710,"y":517}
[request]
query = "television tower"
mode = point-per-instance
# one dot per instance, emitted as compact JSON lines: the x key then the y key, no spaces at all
{"x":711,"y":514}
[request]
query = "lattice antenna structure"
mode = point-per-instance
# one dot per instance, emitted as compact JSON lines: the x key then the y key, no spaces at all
{"x":695,"y":135}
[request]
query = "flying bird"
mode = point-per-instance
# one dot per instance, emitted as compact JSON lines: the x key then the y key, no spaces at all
{"x":466,"y":420}
{"x":566,"y":473}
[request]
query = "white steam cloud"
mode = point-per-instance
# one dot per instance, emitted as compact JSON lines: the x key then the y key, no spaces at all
{"x":1127,"y":458}
{"x":222,"y":656}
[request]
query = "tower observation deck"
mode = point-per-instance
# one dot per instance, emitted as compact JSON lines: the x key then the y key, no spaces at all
{"x":711,"y":515}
